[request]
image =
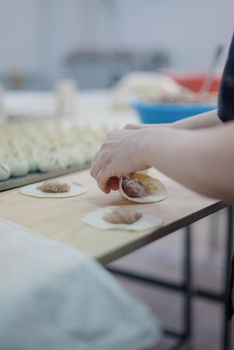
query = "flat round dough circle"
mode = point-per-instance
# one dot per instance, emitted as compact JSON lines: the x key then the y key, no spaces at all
{"x":33,"y":191}
{"x":95,"y":219}
{"x":151,"y":198}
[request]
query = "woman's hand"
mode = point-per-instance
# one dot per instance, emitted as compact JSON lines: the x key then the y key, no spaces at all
{"x":121,"y":154}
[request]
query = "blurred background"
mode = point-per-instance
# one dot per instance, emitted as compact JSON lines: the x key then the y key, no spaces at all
{"x":96,"y":41}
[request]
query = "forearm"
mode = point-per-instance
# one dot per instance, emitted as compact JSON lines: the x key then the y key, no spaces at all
{"x":202,"y":160}
{"x":199,"y":121}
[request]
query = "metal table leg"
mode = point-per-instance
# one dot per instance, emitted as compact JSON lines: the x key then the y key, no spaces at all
{"x":185,"y":336}
{"x":187,"y":289}
{"x":228,"y":257}
{"x":187,"y":273}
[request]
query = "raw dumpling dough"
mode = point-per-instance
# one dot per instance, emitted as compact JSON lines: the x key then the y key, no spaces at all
{"x":32,"y":190}
{"x":142,"y":188}
{"x":52,"y":160}
{"x":5,"y":171}
{"x":33,"y":161}
{"x":18,"y":165}
{"x":75,"y":157}
{"x":95,"y":219}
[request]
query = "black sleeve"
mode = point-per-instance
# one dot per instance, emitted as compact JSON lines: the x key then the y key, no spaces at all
{"x":226,"y":91}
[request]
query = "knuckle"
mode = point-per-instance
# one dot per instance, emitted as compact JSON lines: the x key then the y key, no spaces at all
{"x":92,"y":173}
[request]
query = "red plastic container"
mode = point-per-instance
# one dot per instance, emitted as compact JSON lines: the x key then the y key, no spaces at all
{"x":195,"y":81}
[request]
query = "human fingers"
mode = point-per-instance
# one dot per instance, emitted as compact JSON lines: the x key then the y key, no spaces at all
{"x":99,"y":161}
{"x":102,"y":182}
{"x":95,"y":166}
{"x":97,"y":154}
{"x":113,"y":183}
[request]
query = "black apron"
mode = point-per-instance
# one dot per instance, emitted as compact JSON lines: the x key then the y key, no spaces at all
{"x":226,"y":91}
{"x":226,"y":113}
{"x":230,"y":301}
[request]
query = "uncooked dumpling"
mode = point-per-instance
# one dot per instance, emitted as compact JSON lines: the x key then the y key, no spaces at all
{"x":33,"y":160}
{"x":52,"y":160}
{"x":122,"y":216}
{"x":97,"y":219}
{"x":48,"y":146}
{"x":5,"y":171}
{"x":34,"y":191}
{"x":75,"y":156}
{"x":142,"y":188}
{"x":18,"y":165}
{"x":54,"y":186}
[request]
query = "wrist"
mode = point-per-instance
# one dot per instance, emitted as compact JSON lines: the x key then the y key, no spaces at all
{"x":176,"y":125}
{"x":146,"y":145}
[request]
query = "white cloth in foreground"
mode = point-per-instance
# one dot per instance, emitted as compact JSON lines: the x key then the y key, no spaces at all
{"x":53,"y":297}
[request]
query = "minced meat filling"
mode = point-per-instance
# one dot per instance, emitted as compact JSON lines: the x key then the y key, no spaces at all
{"x":133,"y":188}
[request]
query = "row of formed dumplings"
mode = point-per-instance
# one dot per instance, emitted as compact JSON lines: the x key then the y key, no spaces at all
{"x":39,"y":146}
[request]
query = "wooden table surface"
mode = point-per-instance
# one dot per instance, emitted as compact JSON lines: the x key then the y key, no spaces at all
{"x":60,"y":219}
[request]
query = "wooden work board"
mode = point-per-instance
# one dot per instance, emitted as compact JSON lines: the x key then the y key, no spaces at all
{"x":19,"y":181}
{"x":61,"y":219}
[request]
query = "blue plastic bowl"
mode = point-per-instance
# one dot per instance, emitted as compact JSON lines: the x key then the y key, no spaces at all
{"x":167,"y":113}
